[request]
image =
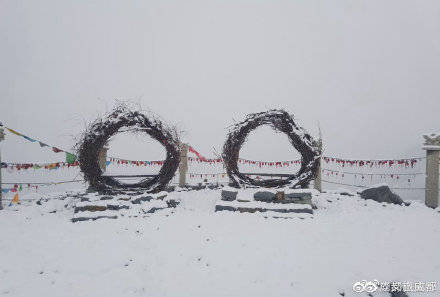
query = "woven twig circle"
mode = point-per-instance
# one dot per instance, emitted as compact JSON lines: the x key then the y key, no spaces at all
{"x":99,"y":133}
{"x":280,"y":121}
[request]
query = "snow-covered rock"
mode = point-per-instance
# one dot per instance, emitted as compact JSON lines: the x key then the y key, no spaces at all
{"x":381,"y":194}
{"x":265,"y":196}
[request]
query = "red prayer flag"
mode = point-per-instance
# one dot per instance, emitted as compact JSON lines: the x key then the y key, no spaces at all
{"x":56,"y":150}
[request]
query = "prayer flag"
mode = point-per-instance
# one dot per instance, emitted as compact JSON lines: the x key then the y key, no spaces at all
{"x":28,"y":138}
{"x":15,"y":200}
{"x":70,"y":158}
{"x":15,"y":132}
{"x":56,"y":150}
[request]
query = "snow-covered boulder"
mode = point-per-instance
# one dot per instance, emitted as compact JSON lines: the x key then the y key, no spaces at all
{"x":381,"y":193}
{"x":265,"y":196}
{"x":141,"y":199}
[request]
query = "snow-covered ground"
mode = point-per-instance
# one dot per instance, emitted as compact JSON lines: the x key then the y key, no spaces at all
{"x":194,"y":251}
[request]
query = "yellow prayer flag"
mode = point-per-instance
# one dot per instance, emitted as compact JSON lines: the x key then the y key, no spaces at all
{"x":15,"y":132}
{"x":15,"y":200}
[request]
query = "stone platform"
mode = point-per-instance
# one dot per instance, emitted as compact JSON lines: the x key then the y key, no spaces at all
{"x":93,"y":206}
{"x":282,"y":203}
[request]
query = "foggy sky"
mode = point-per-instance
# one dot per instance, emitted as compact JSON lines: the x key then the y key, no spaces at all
{"x":367,"y":71}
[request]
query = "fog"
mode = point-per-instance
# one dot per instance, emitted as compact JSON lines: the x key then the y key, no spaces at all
{"x":366,"y":72}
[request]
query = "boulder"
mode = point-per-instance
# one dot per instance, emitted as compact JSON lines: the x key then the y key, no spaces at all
{"x":198,"y":187}
{"x":104,"y":198}
{"x":154,"y":209}
{"x":300,"y":197}
{"x":81,"y":219}
{"x":141,"y":199}
{"x":225,"y":207}
{"x":381,"y":194}
{"x":228,"y":195}
{"x":172,"y":203}
{"x":170,"y":189}
{"x":116,"y":207}
{"x":161,"y":197}
{"x":90,"y":208}
{"x":264,"y":196}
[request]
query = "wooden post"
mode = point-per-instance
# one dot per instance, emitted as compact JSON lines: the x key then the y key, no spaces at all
{"x":317,"y":183}
{"x":432,"y":147}
{"x":279,"y":196}
{"x":183,"y":165}
{"x":102,"y":158}
{"x":2,"y":137}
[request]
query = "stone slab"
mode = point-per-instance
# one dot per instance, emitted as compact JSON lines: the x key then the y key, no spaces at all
{"x":229,"y":195}
{"x":260,"y":209}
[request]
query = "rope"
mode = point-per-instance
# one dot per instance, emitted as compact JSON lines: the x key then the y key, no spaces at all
{"x":51,"y":183}
{"x":361,"y":173}
{"x":56,"y":149}
{"x":359,"y":186}
{"x":42,"y":144}
{"x":255,"y":162}
{"x":376,"y":160}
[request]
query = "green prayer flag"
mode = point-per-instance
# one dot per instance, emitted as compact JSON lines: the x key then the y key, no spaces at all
{"x":70,"y":158}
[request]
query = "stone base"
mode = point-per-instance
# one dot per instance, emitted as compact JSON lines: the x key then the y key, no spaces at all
{"x":266,"y":210}
{"x":91,"y":207}
{"x":268,"y":201}
{"x":290,"y":197}
{"x":260,"y":209}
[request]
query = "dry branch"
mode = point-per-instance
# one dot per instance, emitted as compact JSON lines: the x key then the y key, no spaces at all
{"x":102,"y":129}
{"x":280,"y":121}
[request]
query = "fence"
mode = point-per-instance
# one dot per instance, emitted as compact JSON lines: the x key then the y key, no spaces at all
{"x":324,"y":174}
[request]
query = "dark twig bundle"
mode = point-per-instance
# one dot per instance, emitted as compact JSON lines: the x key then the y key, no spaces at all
{"x":99,"y":133}
{"x":280,"y":121}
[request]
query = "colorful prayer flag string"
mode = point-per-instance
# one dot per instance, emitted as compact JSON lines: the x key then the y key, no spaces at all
{"x":70,"y":158}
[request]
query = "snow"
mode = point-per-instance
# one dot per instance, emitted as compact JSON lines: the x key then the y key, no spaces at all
{"x":431,"y":147}
{"x":193,"y":251}
{"x":433,"y":134}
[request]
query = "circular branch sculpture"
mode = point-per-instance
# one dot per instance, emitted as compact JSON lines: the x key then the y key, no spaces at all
{"x":99,"y":133}
{"x":280,"y":121}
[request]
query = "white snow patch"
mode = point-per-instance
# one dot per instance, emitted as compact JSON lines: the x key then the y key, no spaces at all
{"x":193,"y":251}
